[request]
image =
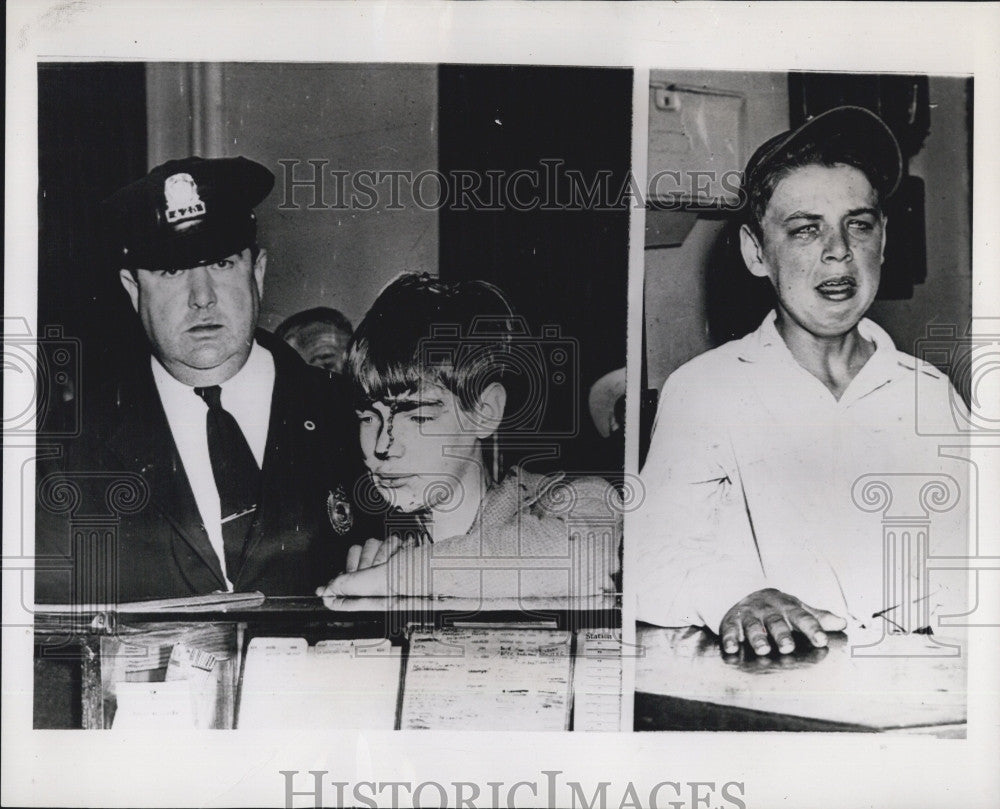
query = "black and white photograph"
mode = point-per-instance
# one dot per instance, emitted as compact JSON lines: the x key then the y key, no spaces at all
{"x":501,"y":404}
{"x":346,"y":397}
{"x":808,"y":295}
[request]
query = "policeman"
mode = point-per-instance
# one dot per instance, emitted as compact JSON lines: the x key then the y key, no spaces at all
{"x":222,"y":462}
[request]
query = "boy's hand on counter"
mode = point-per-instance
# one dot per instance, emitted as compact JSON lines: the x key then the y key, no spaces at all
{"x":372,"y":581}
{"x":374,"y":552}
{"x":366,"y":573}
{"x":773,"y":614}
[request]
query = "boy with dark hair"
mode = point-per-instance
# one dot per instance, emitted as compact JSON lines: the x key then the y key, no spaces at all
{"x":433,"y":371}
{"x":760,"y":520}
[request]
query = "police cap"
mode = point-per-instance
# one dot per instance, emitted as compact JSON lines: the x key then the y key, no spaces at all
{"x":186,"y":213}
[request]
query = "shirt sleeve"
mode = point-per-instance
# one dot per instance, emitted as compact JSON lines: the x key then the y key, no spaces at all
{"x":695,"y":554}
{"x":946,"y":420}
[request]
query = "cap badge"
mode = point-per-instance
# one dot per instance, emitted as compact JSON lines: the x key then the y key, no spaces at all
{"x":183,"y":202}
{"x":338,"y":508}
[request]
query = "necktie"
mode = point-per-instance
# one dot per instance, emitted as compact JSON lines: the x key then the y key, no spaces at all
{"x":237,"y":477}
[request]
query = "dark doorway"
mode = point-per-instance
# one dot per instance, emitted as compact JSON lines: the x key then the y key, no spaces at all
{"x":548,"y":150}
{"x":91,"y":141}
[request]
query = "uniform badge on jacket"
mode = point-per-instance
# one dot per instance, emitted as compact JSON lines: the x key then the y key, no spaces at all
{"x":338,"y":507}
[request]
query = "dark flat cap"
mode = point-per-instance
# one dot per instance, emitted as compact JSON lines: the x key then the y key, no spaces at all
{"x":848,"y":131}
{"x":185,"y":213}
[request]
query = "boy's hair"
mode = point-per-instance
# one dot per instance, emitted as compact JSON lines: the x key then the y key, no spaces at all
{"x":760,"y":184}
{"x":455,"y":334}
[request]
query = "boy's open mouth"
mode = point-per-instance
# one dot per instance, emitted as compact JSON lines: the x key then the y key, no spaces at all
{"x":838,"y":289}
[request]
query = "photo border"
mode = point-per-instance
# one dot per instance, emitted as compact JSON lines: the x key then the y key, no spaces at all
{"x":199,"y":768}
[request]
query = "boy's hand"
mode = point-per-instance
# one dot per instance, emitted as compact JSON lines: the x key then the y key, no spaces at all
{"x":369,"y":582}
{"x":366,"y":573}
{"x":773,"y":613}
{"x":374,"y":552}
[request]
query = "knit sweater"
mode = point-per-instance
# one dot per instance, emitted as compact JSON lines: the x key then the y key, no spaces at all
{"x":534,"y":536}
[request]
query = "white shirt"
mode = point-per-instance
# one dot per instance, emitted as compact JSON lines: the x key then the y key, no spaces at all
{"x":247,"y":395}
{"x":750,"y":481}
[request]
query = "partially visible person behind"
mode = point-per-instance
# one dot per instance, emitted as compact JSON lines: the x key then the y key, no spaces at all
{"x":606,"y":402}
{"x":320,"y":335}
{"x":754,"y":524}
{"x":432,"y":373}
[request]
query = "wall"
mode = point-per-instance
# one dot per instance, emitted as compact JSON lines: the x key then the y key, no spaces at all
{"x":356,"y":117}
{"x":675,"y":307}
{"x":676,"y":322}
{"x":943,"y":164}
{"x":561,"y":266}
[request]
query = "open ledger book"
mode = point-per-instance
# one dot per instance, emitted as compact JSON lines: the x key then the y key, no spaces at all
{"x":469,"y":678}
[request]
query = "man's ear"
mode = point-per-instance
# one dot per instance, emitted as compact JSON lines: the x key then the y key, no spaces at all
{"x":490,"y":409}
{"x":885,"y":230}
{"x":753,"y":253}
{"x":131,"y":285}
{"x":259,"y":266}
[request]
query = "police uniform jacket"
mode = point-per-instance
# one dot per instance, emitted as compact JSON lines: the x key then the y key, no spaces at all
{"x":117,"y":520}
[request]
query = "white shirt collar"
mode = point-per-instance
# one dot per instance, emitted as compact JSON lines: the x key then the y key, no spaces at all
{"x":767,"y":345}
{"x":245,"y":382}
{"x":755,"y":345}
{"x":767,"y":336}
{"x":247,"y":396}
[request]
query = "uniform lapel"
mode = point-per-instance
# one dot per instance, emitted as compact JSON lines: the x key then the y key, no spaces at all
{"x":143,"y":443}
{"x":285,"y":422}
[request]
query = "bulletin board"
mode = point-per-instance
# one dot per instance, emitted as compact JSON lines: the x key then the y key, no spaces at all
{"x":697,"y":146}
